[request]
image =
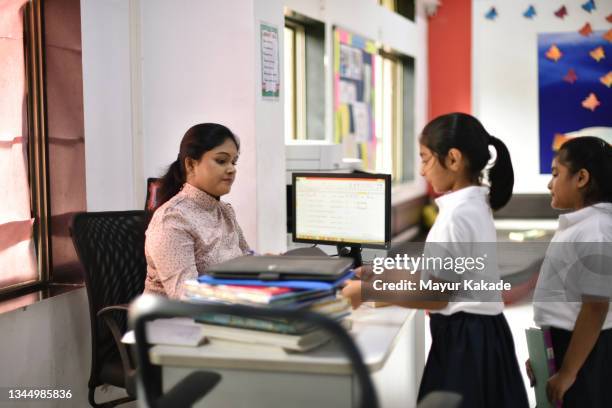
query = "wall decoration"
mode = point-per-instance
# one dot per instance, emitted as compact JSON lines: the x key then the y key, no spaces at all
{"x":591,"y":102}
{"x":530,"y":12}
{"x":561,"y":13}
{"x":491,"y":14}
{"x":575,"y":98}
{"x":607,"y":79}
{"x":554,"y":53}
{"x":354,"y":69}
{"x":598,"y":54}
{"x":608,"y":36}
{"x":571,"y":76}
{"x":586,"y":30}
{"x":589,"y":6}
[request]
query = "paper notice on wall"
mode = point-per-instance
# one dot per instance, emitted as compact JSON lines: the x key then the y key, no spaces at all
{"x":362,"y":121}
{"x":351,"y":62}
{"x":348,"y":92}
{"x":357,"y":64}
{"x":345,"y":61}
{"x":270,"y":70}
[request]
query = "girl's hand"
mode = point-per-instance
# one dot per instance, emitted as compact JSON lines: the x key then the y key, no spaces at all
{"x":532,"y":379}
{"x":558,"y":385}
{"x":352,"y":291}
{"x":364,"y":272}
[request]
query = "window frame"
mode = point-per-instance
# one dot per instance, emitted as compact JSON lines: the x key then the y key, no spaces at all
{"x":37,"y":147}
{"x":298,"y":81}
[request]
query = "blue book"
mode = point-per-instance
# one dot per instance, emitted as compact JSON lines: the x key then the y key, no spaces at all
{"x":293,"y":284}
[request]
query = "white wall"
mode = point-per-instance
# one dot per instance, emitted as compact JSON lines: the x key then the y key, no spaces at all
{"x":48,"y":345}
{"x":505,"y":74}
{"x":105,"y":30}
{"x":269,"y":185}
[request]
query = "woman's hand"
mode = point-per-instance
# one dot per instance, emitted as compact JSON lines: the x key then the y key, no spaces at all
{"x":352,"y":291}
{"x":558,"y":385}
{"x":530,"y":374}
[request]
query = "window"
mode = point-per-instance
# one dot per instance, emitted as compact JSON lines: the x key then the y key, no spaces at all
{"x":304,"y":73}
{"x":394,"y":117}
{"x":22,"y":254}
{"x":295,"y":84}
{"x":402,"y":7}
{"x":42,"y":171}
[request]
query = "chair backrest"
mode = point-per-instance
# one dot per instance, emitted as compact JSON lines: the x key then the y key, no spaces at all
{"x":152,"y":200}
{"x":185,"y":393}
{"x":110,"y":246}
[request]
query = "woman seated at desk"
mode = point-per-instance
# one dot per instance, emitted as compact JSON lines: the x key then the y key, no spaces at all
{"x":192,"y":228}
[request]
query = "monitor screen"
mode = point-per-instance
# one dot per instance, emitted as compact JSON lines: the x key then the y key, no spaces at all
{"x":342,"y":209}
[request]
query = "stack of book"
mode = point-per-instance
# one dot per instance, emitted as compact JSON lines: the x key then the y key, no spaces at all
{"x":287,"y":334}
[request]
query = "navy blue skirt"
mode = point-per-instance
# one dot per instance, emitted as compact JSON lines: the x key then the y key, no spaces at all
{"x":593,"y":385}
{"x":473,"y":355}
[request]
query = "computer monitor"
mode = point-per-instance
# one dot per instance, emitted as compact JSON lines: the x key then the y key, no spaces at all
{"x":347,"y":210}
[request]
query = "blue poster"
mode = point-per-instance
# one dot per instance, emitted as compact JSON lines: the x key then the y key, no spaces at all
{"x":575,"y":97}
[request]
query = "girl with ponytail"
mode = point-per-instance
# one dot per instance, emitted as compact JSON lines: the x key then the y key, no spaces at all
{"x":192,"y":228}
{"x":472,"y":351}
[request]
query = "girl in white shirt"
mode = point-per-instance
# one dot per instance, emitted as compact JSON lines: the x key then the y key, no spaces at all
{"x":472,"y":351}
{"x":573,"y":292}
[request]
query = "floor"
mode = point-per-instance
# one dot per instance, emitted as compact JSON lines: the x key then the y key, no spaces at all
{"x":520,"y":317}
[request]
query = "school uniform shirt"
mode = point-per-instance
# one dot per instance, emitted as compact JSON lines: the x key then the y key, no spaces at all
{"x":577,"y":262}
{"x":465,"y":218}
{"x":187,"y":234}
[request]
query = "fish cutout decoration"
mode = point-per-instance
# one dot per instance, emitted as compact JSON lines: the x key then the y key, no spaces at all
{"x":561,"y":13}
{"x":554,"y":53}
{"x":609,"y":18}
{"x":491,"y":14}
{"x":591,"y":102}
{"x":607,"y":79}
{"x":586,"y":30}
{"x":589,"y":6}
{"x":571,"y":76}
{"x":608,"y":36}
{"x":530,"y":12}
{"x":598,"y":54}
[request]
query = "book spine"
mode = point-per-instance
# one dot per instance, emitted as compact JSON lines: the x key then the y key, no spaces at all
{"x":550,"y":356}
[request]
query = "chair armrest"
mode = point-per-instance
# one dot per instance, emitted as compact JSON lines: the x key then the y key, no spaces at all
{"x":107,"y":309}
{"x":106,"y":315}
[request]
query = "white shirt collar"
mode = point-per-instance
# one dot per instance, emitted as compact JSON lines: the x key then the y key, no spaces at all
{"x":454,"y":198}
{"x":569,"y":219}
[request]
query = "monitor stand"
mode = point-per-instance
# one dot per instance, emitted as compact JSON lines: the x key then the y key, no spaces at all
{"x":353,"y":251}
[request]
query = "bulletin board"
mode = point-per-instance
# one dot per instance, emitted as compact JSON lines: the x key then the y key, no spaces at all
{"x":354,"y":70}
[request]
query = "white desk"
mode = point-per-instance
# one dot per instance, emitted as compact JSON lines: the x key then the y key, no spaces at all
{"x":390,"y":340}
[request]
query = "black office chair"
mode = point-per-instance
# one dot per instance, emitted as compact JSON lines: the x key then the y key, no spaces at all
{"x":197,"y":384}
{"x":152,"y":200}
{"x":110,"y":246}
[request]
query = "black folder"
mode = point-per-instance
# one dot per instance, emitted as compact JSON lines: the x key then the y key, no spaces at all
{"x":276,"y":267}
